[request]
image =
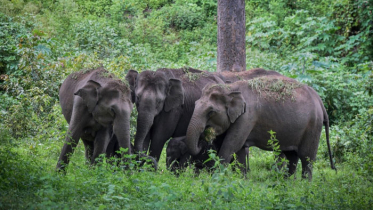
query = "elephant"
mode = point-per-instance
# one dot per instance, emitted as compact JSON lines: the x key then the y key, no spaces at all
{"x":179,"y":158}
{"x":245,"y":111}
{"x":97,"y":106}
{"x":165,"y":102}
{"x":177,"y":153}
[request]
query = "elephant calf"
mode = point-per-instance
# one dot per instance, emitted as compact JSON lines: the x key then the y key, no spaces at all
{"x":246,"y":110}
{"x":178,"y":156}
{"x":96,"y":106}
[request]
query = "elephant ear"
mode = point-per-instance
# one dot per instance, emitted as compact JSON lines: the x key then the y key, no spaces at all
{"x":89,"y":94}
{"x":175,"y":95}
{"x":236,"y":106}
{"x":131,"y":79}
{"x":183,"y":148}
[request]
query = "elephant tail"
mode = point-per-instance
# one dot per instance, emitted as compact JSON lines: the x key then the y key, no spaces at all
{"x":326,"y":124}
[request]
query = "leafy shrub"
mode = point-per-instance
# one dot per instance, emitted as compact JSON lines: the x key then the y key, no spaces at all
{"x":10,"y":33}
{"x":352,"y":142}
{"x":182,"y":16}
{"x":93,"y":35}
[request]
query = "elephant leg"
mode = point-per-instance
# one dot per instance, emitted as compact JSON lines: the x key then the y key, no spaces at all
{"x":112,"y":147}
{"x":235,"y":138}
{"x":279,"y":161}
{"x":79,"y":118}
{"x":89,"y":147}
{"x":306,"y":168}
{"x":156,"y":145}
{"x":243,"y":159}
{"x":162,"y":130}
{"x":147,"y":141}
{"x":308,"y":148}
{"x":293,"y":162}
{"x":100,"y":144}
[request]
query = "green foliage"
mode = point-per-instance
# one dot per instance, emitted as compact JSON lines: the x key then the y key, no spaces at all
{"x":321,"y":33}
{"x":97,"y":36}
{"x":325,"y":44}
{"x":274,"y":145}
{"x":183,"y":16}
{"x":10,"y":32}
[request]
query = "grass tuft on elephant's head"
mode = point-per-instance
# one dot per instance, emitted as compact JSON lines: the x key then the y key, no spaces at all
{"x":278,"y":88}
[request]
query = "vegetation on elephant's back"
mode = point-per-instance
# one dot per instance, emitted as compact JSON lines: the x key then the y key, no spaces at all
{"x":324,"y":44}
{"x":274,"y":87}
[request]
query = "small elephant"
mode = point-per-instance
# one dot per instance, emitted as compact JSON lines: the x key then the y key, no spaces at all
{"x":178,"y":156}
{"x":246,"y":110}
{"x":96,"y":106}
{"x":165,"y":103}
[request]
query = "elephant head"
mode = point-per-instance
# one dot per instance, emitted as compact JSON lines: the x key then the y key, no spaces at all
{"x":155,"y":91}
{"x":109,"y":104}
{"x":218,"y":108}
{"x":177,"y":154}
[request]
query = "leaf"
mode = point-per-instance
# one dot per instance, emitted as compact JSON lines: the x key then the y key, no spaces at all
{"x":321,"y":64}
{"x":304,"y":78}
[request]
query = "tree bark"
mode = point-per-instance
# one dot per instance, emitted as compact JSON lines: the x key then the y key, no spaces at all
{"x":231,"y":36}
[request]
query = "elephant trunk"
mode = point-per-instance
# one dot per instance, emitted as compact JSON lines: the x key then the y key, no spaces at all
{"x":121,"y":128}
{"x":195,"y":129}
{"x":150,"y":159}
{"x":144,"y":123}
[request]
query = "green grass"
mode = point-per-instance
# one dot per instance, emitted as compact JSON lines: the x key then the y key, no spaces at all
{"x":29,"y":181}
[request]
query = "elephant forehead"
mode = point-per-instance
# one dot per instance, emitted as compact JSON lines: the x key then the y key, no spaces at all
{"x":216,"y":88}
{"x":151,"y":78}
{"x":150,"y":91}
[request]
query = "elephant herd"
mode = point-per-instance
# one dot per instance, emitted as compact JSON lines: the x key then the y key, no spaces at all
{"x":181,"y":104}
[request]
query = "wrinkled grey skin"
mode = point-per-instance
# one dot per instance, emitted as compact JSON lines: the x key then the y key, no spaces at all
{"x":231,"y":77}
{"x":246,"y":117}
{"x":165,"y":103}
{"x":96,"y":106}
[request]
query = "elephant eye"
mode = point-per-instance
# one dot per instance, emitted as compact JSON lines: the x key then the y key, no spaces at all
{"x":211,"y":113}
{"x":112,"y":112}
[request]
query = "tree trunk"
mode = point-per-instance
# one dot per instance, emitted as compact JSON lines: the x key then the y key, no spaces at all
{"x":231,"y":36}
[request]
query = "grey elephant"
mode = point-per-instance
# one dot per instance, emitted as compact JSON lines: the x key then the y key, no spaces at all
{"x":246,"y":110}
{"x":165,"y":103}
{"x":178,"y":155}
{"x":96,"y":106}
{"x":230,"y":77}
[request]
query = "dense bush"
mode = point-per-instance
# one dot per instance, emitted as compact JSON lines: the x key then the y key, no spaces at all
{"x":10,"y":32}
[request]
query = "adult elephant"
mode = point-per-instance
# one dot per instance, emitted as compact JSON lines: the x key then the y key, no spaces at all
{"x":165,"y":103}
{"x":178,"y":156}
{"x":246,"y":110}
{"x":96,"y":106}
